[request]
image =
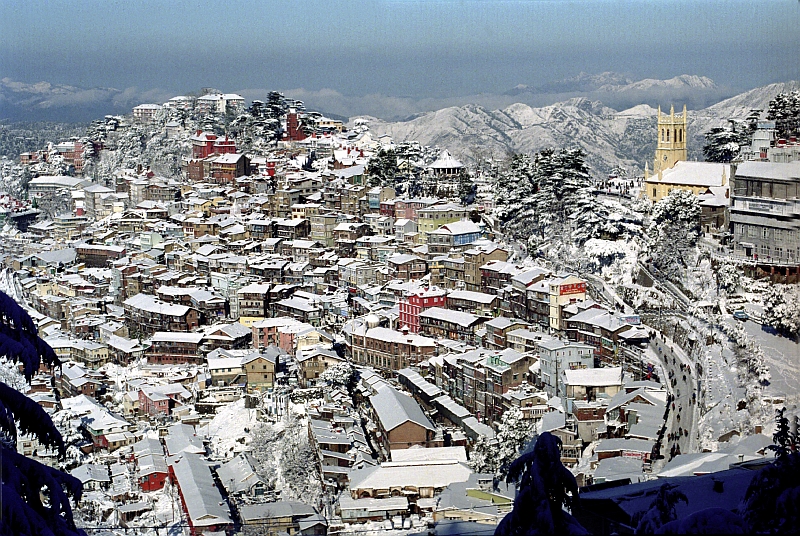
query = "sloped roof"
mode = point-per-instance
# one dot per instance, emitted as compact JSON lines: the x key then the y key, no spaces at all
{"x":202,"y":499}
{"x":394,"y":408}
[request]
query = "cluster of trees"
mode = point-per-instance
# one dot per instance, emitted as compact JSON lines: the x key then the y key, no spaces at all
{"x":674,"y":230}
{"x":282,"y":452}
{"x":547,"y":492}
{"x":782,"y":308}
{"x":494,"y":456}
{"x":260,"y":123}
{"x":722,"y":144}
{"x":536,"y":196}
{"x":784,"y":109}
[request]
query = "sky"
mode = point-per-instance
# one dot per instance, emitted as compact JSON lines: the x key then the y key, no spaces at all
{"x":401,"y":48}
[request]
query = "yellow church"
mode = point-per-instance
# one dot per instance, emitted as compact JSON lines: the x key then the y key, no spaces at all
{"x":671,"y":170}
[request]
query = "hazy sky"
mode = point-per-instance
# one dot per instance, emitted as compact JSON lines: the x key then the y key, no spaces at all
{"x":405,"y":48}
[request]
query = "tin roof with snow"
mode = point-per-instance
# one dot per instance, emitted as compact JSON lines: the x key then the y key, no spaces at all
{"x":435,"y":474}
{"x":151,"y":304}
{"x":455,"y":317}
{"x":446,"y":161}
{"x":200,"y":495}
{"x":174,"y":336}
{"x":394,"y":408}
{"x":458,"y":228}
{"x":595,"y":377}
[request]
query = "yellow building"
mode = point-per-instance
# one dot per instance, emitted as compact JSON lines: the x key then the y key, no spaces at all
{"x":671,"y":171}
{"x":431,"y":218}
{"x":671,"y":134}
{"x":696,"y":177}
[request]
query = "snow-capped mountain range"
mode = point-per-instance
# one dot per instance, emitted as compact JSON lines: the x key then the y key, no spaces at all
{"x":610,"y":138}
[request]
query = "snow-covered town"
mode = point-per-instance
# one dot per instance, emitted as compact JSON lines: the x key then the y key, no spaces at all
{"x":269,"y":321}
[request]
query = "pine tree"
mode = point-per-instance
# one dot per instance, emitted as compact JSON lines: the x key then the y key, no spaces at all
{"x":544,"y":489}
{"x":784,"y":109}
{"x":723,"y":144}
{"x":382,"y":168}
{"x":662,"y":510}
{"x":26,"y":481}
{"x":495,"y":455}
{"x":674,"y":230}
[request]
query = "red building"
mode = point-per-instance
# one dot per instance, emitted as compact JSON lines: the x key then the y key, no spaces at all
{"x":416,"y":303}
{"x":295,"y":133}
{"x":151,"y":472}
{"x":205,"y":144}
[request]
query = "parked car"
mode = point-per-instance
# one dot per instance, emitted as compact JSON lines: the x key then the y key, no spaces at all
{"x":741,"y":315}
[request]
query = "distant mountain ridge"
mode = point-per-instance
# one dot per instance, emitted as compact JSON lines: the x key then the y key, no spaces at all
{"x":20,"y":101}
{"x":610,"y":138}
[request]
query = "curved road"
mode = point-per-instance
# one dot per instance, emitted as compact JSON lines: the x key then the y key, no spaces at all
{"x":681,"y":429}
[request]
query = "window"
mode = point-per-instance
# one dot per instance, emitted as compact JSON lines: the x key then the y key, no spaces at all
{"x":654,"y":192}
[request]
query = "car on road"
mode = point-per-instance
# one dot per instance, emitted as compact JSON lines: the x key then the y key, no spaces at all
{"x":741,"y":315}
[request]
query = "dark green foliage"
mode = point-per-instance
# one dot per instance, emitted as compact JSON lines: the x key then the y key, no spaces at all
{"x":784,"y":109}
{"x":723,"y":144}
{"x":544,"y":488}
{"x":537,"y":196}
{"x":23,"y":479}
{"x":662,"y":510}
{"x":771,"y":502}
{"x":382,"y":168}
{"x":786,"y":442}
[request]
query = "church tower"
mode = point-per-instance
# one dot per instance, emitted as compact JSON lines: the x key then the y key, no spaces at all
{"x":671,"y":139}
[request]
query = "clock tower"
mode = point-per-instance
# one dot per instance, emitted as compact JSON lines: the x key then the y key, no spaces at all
{"x":671,"y":134}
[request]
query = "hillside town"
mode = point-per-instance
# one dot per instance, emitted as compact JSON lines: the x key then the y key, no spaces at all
{"x":271,"y":321}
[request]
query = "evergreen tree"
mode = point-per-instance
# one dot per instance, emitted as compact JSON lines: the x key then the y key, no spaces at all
{"x":662,"y":510}
{"x":784,"y":109}
{"x":786,"y":442}
{"x":674,"y":230}
{"x":723,"y":144}
{"x":782,"y":308}
{"x":25,"y":481}
{"x":495,"y":455}
{"x":544,"y":489}
{"x":466,"y":187}
{"x":382,"y":168}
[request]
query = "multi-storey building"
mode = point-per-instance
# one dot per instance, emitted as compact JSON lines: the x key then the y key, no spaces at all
{"x":390,"y":349}
{"x":145,"y":314}
{"x":453,"y":325}
{"x":170,"y":347}
{"x":765,"y":215}
{"x":555,"y":356}
{"x":417,"y":302}
{"x":432,"y":217}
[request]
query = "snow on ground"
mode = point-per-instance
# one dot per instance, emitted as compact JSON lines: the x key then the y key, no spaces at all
{"x":783,"y":358}
{"x":230,"y":429}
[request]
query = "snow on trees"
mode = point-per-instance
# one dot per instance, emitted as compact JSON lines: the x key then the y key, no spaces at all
{"x":25,"y":482}
{"x":286,"y":459}
{"x":383,"y":168}
{"x":674,"y":230}
{"x":722,"y":144}
{"x":782,"y":308}
{"x":339,"y":375}
{"x":784,"y":109}
{"x":662,"y":510}
{"x":535,"y":197}
{"x":545,"y":489}
{"x":496,"y":455}
{"x":728,"y":276}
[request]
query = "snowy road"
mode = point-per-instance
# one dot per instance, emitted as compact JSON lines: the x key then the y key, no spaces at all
{"x":681,"y":384}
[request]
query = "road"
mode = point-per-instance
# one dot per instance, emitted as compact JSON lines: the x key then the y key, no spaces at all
{"x":681,"y":381}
